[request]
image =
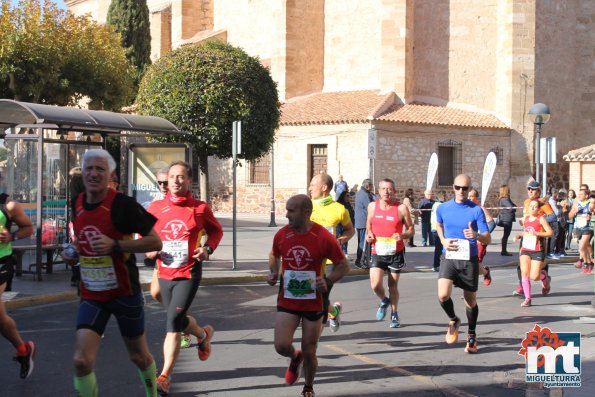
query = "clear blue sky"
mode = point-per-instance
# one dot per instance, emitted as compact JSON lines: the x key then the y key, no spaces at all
{"x":60,"y":3}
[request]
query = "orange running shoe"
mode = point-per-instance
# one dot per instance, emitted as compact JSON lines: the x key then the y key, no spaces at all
{"x":163,"y":384}
{"x":292,"y":374}
{"x":471,"y":344}
{"x":204,"y":346}
{"x":452,"y":334}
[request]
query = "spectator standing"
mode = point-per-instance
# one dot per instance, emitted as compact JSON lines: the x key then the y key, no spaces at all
{"x":413,"y":212}
{"x":340,"y":187}
{"x":363,"y":197}
{"x":437,"y":243}
{"x":344,"y":199}
{"x":553,"y":221}
{"x":506,"y":217}
{"x":425,"y":209}
{"x":569,"y":221}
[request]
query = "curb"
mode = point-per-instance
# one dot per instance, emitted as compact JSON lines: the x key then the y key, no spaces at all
{"x":28,"y":301}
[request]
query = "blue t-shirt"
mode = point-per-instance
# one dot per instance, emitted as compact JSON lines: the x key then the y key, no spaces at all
{"x":455,"y":217}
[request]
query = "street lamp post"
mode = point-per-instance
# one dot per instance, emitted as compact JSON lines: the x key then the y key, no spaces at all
{"x":540,"y":114}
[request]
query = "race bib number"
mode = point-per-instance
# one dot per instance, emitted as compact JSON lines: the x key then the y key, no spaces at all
{"x":529,"y":242}
{"x":174,"y":254}
{"x":299,"y":284}
{"x":386,"y":246}
{"x":581,"y":221}
{"x":98,"y":273}
{"x":462,"y":252}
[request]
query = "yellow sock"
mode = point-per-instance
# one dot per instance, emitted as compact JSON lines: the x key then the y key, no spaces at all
{"x":86,"y":386}
{"x":147,"y":376}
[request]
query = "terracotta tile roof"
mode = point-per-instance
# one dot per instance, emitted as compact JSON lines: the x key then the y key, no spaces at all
{"x":586,"y":153}
{"x":362,"y":106}
{"x":330,"y":108}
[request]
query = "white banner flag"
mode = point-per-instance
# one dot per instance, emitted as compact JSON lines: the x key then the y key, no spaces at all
{"x":488,"y":172}
{"x":432,"y":167}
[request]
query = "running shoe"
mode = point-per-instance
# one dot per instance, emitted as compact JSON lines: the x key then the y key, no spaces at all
{"x":487,"y":279}
{"x":394,"y":320}
{"x":335,"y":321}
{"x":546,"y":285}
{"x":186,"y":341}
{"x":578,"y":264}
{"x":452,"y":334}
{"x":381,"y":312}
{"x":518,"y":291}
{"x":26,"y":360}
{"x":204,"y":346}
{"x":163,"y":385}
{"x":589,"y":268}
{"x":308,"y":391}
{"x":471,"y":344}
{"x":292,"y":374}
{"x":585,"y":268}
{"x":526,"y":303}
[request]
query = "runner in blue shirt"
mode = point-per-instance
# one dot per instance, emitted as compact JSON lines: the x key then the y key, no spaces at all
{"x":460,"y":224}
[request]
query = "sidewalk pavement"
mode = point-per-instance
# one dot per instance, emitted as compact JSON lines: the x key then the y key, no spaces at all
{"x":254,"y":238}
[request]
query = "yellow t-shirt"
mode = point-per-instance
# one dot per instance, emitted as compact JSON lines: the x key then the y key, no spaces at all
{"x":329,"y":216}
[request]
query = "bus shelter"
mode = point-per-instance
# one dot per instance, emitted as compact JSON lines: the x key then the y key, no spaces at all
{"x":42,"y":144}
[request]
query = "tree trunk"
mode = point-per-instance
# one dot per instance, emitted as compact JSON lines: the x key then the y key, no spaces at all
{"x":204,"y":177}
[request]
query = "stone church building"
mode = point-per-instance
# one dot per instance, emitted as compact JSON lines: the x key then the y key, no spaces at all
{"x":401,"y":78}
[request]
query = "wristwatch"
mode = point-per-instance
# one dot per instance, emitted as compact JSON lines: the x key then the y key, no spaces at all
{"x":208,"y":249}
{"x":14,"y":236}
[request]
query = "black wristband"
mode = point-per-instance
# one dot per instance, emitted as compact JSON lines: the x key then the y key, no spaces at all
{"x":208,"y":249}
{"x":116,"y":248}
{"x":14,"y":236}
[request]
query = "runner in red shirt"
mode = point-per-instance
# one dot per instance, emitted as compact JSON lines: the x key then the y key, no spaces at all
{"x":532,"y":255}
{"x":180,"y":221}
{"x":297,"y":259}
{"x":388,"y":224}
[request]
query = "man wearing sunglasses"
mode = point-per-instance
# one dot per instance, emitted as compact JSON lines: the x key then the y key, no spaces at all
{"x":460,"y":224}
{"x":545,"y":210}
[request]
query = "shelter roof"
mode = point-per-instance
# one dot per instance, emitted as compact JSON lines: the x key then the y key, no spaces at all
{"x":586,"y":153}
{"x":352,"y":107}
{"x":13,"y":113}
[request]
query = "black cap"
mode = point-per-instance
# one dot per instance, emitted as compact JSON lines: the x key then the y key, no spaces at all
{"x":534,"y":185}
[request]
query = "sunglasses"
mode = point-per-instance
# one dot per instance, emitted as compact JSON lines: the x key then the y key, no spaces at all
{"x":463,"y":188}
{"x":162,"y":183}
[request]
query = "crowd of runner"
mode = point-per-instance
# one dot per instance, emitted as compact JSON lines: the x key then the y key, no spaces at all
{"x":177,"y":233}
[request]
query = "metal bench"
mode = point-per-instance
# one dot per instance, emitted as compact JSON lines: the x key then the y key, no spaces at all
{"x":50,"y":251}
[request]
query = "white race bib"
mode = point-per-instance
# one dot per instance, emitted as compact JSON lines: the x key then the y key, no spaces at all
{"x":98,"y":273}
{"x":462,"y":253}
{"x":299,"y":284}
{"x":529,"y":242}
{"x":386,"y":246}
{"x":581,"y":221}
{"x":174,"y":254}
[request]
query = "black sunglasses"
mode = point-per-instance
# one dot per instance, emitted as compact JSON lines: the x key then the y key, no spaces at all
{"x":463,"y":188}
{"x":162,"y":183}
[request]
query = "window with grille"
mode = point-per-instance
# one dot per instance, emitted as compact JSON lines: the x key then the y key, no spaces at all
{"x":499,"y":152}
{"x":259,"y":171}
{"x":449,"y":161}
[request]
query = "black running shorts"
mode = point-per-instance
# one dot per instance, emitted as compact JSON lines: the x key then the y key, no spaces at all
{"x":464,"y":274}
{"x":310,"y":316}
{"x":128,"y":310}
{"x":534,"y":255}
{"x":393,"y":263}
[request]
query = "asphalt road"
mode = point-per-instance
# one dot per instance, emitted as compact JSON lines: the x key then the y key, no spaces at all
{"x":364,"y":357}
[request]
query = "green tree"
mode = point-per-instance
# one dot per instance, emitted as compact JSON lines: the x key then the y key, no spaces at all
{"x":50,"y":56}
{"x":130,"y":18}
{"x":202,"y":89}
